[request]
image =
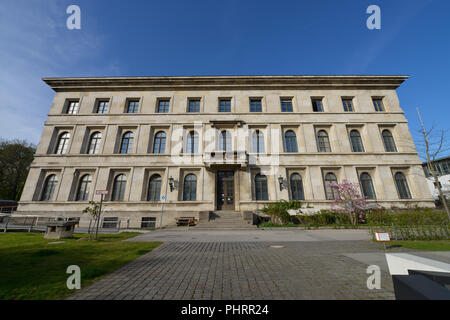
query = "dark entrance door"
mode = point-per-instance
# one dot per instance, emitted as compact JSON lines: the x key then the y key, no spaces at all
{"x":225,"y":190}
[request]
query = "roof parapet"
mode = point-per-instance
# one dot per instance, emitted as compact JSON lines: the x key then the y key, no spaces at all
{"x":226,"y":82}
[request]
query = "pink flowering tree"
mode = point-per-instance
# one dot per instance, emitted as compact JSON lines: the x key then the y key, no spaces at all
{"x":348,"y":200}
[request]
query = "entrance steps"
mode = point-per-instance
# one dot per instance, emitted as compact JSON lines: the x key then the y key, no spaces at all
{"x":225,"y":220}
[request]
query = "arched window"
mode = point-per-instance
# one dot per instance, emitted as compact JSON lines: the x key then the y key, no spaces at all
{"x":120,"y":183}
{"x":192,"y":142}
{"x":329,"y":192}
{"x":159,"y":146}
{"x":291,"y":141}
{"x":258,"y":141}
{"x":63,"y":143}
{"x":154,"y":188}
{"x":356,"y":142}
{"x":94,"y":143}
{"x":261,"y":187}
{"x":323,"y":143}
{"x":388,"y":140}
{"x":83,"y":188}
{"x":402,"y":186}
{"x":225,"y":141}
{"x":367,"y":186}
{"x":297,"y":187}
{"x":190,"y":187}
{"x":127,"y":142}
{"x":49,"y":188}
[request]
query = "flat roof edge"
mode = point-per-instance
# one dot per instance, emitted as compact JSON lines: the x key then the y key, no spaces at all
{"x":97,"y":83}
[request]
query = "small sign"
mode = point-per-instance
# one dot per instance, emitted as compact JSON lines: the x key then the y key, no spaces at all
{"x":104,"y":192}
{"x":163,"y":198}
{"x":382,"y":236}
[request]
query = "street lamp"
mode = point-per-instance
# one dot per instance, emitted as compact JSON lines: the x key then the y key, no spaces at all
{"x":281,"y":181}
{"x":172,"y":183}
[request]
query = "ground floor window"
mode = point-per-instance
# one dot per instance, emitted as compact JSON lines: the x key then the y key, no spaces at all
{"x":330,"y":193}
{"x":297,"y":187}
{"x":190,"y":188}
{"x":402,"y":186}
{"x":261,"y":187}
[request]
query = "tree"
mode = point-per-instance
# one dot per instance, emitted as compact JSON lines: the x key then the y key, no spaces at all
{"x":93,"y":209}
{"x":348,"y":200}
{"x":16,"y":157}
{"x":435,"y":145}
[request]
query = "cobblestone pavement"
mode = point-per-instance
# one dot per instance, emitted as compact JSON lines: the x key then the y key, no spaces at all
{"x":244,"y":270}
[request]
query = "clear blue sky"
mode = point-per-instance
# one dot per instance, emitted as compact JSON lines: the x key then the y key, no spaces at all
{"x":152,"y":38}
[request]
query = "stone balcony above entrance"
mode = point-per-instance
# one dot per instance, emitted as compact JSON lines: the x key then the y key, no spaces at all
{"x":223,"y":158}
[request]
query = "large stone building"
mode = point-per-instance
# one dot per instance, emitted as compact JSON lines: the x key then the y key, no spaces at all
{"x":220,"y":143}
{"x":442,"y":168}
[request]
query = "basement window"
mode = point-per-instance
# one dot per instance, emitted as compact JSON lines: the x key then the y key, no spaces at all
{"x":148,"y":223}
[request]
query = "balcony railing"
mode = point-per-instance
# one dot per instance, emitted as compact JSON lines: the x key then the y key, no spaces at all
{"x":220,"y":158}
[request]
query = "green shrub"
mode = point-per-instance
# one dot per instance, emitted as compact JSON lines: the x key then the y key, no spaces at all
{"x":414,"y":232}
{"x":418,"y":216}
{"x":278,"y":211}
{"x":433,"y":223}
{"x":324,"y":217}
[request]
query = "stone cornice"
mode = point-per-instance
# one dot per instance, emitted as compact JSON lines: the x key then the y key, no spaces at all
{"x":227,"y":82}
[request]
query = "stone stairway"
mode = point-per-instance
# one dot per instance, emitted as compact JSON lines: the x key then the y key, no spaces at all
{"x":225,"y":220}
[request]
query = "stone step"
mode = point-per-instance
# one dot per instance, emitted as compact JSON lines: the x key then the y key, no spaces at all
{"x":240,"y":223}
{"x":225,"y":220}
{"x":225,"y":227}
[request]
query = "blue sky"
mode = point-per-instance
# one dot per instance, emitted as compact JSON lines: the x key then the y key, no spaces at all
{"x":155,"y":38}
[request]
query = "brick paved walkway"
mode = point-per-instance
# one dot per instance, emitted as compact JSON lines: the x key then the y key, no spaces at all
{"x":244,"y":270}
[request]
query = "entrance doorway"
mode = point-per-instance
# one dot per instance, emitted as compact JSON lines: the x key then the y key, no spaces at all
{"x":225,"y":190}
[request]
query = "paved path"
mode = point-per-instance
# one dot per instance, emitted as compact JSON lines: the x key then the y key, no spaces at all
{"x":198,"y":270}
{"x":252,"y":235}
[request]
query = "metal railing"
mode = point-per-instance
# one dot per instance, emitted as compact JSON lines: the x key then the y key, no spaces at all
{"x":27,"y":222}
{"x":8,"y":209}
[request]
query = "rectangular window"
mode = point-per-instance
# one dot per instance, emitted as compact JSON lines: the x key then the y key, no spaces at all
{"x":317,"y":105}
{"x":446,"y":167}
{"x":148,"y":223}
{"x":163,"y":106}
{"x":72,"y":107}
{"x":255,"y":105}
{"x":286,"y":105}
{"x":194,"y":105}
{"x":378,"y":104}
{"x":133,"y":106}
{"x":225,"y":105}
{"x":110,"y":222}
{"x":102,"y":106}
{"x":348,"y":105}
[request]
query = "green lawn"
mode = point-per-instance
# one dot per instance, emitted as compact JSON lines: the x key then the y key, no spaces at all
{"x":312,"y":226}
{"x":31,"y":268}
{"x":429,"y":245}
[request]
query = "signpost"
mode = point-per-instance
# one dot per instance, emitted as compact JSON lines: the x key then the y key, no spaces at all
{"x":163,"y":198}
{"x":101,"y":193}
{"x":382,"y":237}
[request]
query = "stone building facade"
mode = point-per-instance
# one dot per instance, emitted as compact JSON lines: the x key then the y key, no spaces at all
{"x":193,"y":144}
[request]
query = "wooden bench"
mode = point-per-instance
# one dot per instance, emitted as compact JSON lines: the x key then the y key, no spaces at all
{"x":185,"y":221}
